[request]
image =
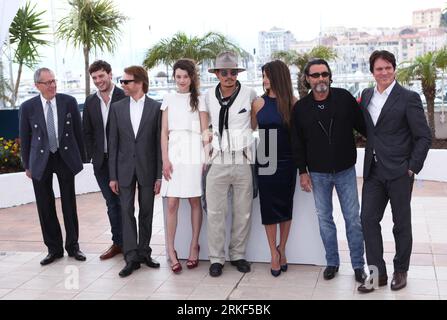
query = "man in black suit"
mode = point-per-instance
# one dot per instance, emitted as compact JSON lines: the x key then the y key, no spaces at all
{"x":135,"y":160}
{"x":51,"y":142}
{"x":96,"y":127}
{"x":397,"y":145}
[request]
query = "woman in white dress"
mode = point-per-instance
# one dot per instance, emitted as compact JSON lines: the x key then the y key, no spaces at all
{"x":181,"y":146}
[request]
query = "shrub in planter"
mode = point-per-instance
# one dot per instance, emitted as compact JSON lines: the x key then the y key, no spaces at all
{"x":10,"y":156}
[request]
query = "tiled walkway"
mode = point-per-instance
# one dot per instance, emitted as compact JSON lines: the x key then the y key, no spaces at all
{"x":22,"y":277}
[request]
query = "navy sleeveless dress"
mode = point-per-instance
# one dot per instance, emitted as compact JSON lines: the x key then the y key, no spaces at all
{"x":275,"y":190}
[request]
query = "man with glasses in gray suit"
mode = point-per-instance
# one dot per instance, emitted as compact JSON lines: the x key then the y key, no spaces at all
{"x":135,"y":160}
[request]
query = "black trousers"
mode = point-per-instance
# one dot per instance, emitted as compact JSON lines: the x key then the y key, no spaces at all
{"x":46,"y":207}
{"x":136,"y":243}
{"x":376,"y":193}
{"x":112,"y":202}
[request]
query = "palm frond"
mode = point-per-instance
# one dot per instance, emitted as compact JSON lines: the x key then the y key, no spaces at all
{"x":92,"y":25}
{"x":200,"y":49}
{"x":26,"y":35}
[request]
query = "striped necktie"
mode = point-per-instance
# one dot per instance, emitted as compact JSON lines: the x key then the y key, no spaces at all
{"x":51,"y":129}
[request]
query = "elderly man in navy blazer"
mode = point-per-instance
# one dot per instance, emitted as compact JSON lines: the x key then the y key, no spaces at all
{"x":51,"y":142}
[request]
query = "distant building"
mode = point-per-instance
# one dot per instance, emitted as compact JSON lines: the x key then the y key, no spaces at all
{"x":429,"y":18}
{"x":355,"y":45}
{"x":275,"y":39}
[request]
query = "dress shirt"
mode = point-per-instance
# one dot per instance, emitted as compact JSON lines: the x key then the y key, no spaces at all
{"x":136,"y":112}
{"x":378,"y":101}
{"x":105,"y":113}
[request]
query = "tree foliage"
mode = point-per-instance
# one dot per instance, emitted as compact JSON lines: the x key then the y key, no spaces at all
{"x":26,"y":36}
{"x":301,"y":59}
{"x":91,"y":24}
{"x":425,"y":68}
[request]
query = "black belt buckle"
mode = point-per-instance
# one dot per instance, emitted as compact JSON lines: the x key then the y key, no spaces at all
{"x":106,"y":156}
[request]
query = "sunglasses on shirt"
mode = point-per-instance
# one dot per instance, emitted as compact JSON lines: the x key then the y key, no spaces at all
{"x":225,"y":73}
{"x":126,"y":81}
{"x":316,"y":75}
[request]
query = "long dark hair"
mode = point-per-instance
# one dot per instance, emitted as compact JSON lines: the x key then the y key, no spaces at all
{"x":281,"y":84}
{"x":189,"y":66}
{"x":312,"y":62}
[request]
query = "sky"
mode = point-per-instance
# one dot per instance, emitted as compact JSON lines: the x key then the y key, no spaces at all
{"x":240,"y":20}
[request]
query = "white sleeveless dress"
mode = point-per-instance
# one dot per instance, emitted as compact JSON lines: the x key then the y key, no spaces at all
{"x":185,"y":149}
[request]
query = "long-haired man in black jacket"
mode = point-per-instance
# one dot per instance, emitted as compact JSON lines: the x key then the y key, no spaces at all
{"x":325,"y":152}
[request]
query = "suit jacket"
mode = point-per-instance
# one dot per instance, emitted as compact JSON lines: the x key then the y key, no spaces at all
{"x":35,"y":148}
{"x":93,"y":126}
{"x":401,"y":137}
{"x":138,"y":155}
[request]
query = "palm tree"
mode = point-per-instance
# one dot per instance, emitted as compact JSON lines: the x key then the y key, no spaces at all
{"x":200,"y":49}
{"x":301,"y":59}
{"x":5,"y":89}
{"x":425,"y":68}
{"x":91,"y":24}
{"x":25,"y":36}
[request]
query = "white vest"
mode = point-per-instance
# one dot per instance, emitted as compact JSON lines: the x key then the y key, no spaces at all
{"x":239,"y":134}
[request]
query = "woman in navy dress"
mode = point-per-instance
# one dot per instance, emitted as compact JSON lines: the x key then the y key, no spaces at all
{"x":272,"y":112}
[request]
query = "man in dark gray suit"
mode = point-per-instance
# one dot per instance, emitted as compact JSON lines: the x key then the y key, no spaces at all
{"x":397,"y":145}
{"x":51,"y":142}
{"x":135,"y":159}
{"x":96,"y":127}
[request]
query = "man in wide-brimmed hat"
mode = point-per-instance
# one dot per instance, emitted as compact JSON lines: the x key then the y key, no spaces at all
{"x":228,"y":107}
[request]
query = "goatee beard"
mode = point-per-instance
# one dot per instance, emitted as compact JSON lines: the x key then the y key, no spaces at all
{"x":321,"y":87}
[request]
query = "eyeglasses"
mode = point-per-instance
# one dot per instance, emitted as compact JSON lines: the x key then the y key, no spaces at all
{"x":126,"y":82}
{"x":225,"y":73}
{"x":316,"y":75}
{"x":48,"y":83}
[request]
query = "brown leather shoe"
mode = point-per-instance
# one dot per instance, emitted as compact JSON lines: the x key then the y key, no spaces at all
{"x":367,"y":288}
{"x":111,"y":252}
{"x":399,"y":281}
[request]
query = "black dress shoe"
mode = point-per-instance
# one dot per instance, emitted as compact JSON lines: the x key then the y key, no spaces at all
{"x":360,"y":275}
{"x":78,"y":255}
{"x":399,"y":281}
{"x":50,"y":258}
{"x":275,"y":273}
{"x":216,"y":269}
{"x":368,"y":285}
{"x":129,"y":268}
{"x":151,"y":263}
{"x":329,"y":272}
{"x":242,"y":265}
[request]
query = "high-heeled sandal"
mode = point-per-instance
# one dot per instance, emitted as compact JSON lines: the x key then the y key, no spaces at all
{"x":176,"y":267}
{"x":191,"y":264}
{"x":283,"y":266}
{"x":274,"y":272}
